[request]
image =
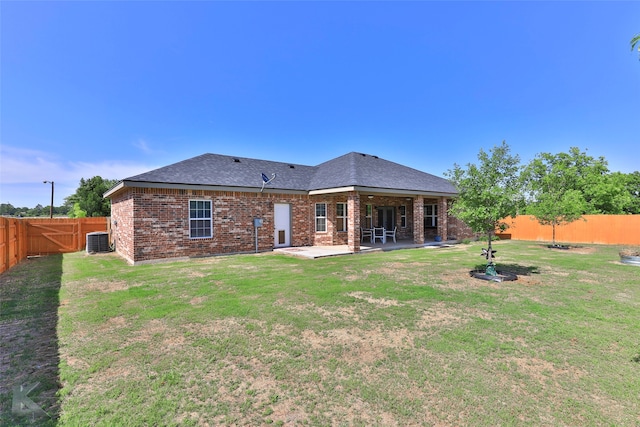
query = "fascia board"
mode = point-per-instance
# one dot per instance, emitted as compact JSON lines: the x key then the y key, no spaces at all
{"x":119,"y":186}
{"x":368,"y":190}
{"x":332,"y":190}
{"x":381,"y":191}
{"x":200,"y":187}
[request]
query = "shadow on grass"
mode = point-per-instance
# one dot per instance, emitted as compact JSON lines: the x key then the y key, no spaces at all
{"x":520,"y":270}
{"x":29,"y":301}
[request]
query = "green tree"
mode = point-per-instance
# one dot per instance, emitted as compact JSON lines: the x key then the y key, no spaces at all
{"x":89,"y":198}
{"x":609,"y":194}
{"x":635,"y":41}
{"x":7,"y":209}
{"x":488,"y":192}
{"x":37,"y":211}
{"x":562,"y":187}
{"x":77,"y":212}
{"x":632,"y":186}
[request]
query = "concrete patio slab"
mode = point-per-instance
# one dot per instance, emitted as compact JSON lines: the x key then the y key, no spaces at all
{"x":313,"y":252}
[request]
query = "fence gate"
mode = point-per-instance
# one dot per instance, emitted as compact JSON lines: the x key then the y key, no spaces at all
{"x":60,"y":235}
{"x":23,"y":237}
{"x":51,"y":238}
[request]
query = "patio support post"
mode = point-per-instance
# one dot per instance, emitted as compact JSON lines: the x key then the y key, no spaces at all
{"x":353,"y":221}
{"x":443,"y":216}
{"x":418,"y":220}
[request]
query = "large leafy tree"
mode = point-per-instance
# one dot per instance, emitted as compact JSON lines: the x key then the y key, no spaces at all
{"x":632,"y":185}
{"x":609,"y":194}
{"x":488,"y":192}
{"x":88,"y":200}
{"x":7,"y":209}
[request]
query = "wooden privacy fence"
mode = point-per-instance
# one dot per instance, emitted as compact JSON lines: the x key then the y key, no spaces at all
{"x":601,"y":229}
{"x":13,"y":238}
{"x":23,"y":237}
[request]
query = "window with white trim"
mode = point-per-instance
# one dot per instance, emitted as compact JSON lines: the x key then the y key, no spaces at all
{"x":368,"y":217}
{"x":321,"y":217}
{"x":341,"y":216}
{"x":200,"y":219}
{"x":430,"y":216}
{"x":403,"y":216}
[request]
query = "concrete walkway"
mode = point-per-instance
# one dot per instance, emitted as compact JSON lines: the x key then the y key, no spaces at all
{"x":313,"y":252}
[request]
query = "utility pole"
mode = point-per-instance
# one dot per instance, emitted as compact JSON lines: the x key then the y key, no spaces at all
{"x":51,"y":205}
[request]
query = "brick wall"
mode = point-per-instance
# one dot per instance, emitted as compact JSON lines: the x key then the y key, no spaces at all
{"x":458,"y":230}
{"x":122,"y":224}
{"x":154,"y":223}
{"x":332,"y":236}
{"x":150,"y":224}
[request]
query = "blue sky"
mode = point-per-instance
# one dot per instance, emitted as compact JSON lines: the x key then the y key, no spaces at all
{"x":119,"y":88}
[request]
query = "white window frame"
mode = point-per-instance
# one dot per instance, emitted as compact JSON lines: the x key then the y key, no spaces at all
{"x":199,"y":217}
{"x":368,"y":216}
{"x":341,"y":220}
{"x":433,"y":216}
{"x":321,"y":219}
{"x":403,"y":216}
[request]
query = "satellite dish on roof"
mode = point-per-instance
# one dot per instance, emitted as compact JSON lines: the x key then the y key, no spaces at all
{"x":266,"y":180}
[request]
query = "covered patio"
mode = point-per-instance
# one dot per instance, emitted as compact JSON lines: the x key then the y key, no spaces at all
{"x":416,"y":218}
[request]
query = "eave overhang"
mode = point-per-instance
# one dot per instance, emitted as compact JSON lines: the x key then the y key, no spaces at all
{"x":200,"y":187}
{"x":197,"y":187}
{"x":381,"y":191}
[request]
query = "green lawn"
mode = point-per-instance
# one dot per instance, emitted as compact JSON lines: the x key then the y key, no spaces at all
{"x":397,"y":338}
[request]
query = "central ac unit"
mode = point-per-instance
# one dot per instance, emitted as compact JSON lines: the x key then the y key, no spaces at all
{"x":97,"y":242}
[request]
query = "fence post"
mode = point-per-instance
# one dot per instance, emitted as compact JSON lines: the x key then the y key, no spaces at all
{"x":4,"y":240}
{"x":79,"y":235}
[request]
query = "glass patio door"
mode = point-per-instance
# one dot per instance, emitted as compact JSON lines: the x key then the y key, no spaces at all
{"x":386,"y":217}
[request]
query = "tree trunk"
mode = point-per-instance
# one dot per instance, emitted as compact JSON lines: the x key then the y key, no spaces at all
{"x":490,"y":270}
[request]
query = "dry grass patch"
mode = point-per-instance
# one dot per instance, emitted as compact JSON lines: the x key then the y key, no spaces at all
{"x":95,"y":285}
{"x":335,"y":314}
{"x":443,"y":315}
{"x":379,"y":302}
{"x":361,"y":346}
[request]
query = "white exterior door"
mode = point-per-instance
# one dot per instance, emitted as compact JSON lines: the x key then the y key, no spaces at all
{"x":282,"y":225}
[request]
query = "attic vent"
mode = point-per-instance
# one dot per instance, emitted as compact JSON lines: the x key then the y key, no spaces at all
{"x":236,"y":160}
{"x":97,"y":242}
{"x":291,"y":167}
{"x":363,"y":155}
{"x":375,"y":157}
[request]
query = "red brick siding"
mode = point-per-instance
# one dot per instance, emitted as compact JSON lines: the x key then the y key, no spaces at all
{"x":418,"y":220}
{"x":122,"y":224}
{"x":458,"y":230}
{"x":150,"y":224}
{"x":160,"y":228}
{"x":331,"y":236}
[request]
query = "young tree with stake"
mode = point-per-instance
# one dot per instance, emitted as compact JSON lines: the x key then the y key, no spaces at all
{"x":488,"y":193}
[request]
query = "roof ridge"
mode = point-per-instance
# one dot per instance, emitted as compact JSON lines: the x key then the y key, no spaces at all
{"x":353,"y":173}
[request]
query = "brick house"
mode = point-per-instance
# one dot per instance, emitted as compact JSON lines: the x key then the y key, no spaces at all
{"x":207,"y":205}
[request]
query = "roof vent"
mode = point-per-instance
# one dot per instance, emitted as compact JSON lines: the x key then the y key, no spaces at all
{"x":291,"y":167}
{"x":236,"y":160}
{"x":375,"y":157}
{"x":363,"y":155}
